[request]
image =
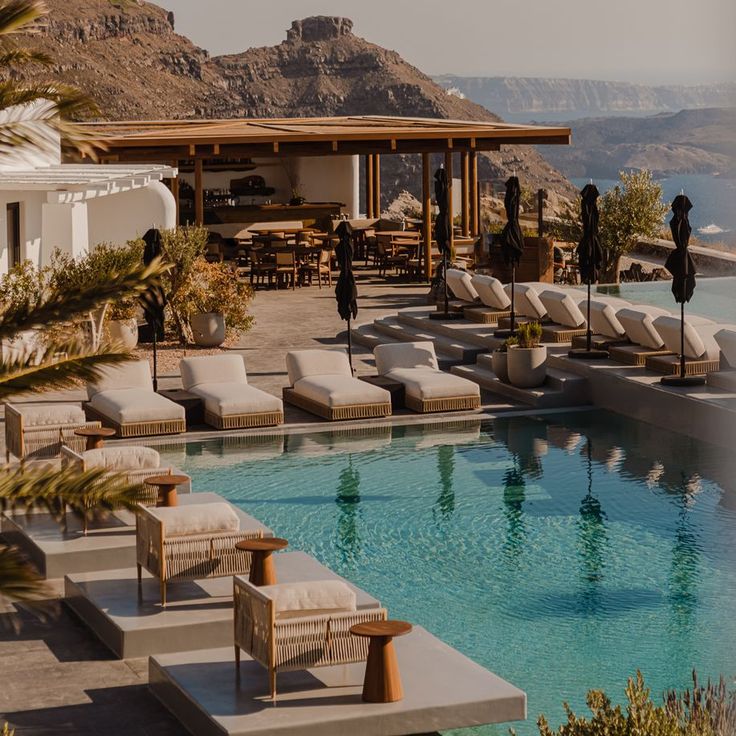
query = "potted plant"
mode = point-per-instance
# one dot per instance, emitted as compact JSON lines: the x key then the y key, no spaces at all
{"x":499,"y":359}
{"x":122,"y":324}
{"x":527,"y":361}
{"x":214,"y":303}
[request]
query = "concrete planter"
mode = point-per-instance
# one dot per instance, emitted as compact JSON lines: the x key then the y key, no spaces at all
{"x":499,"y":361}
{"x":124,"y":332}
{"x":208,"y":329}
{"x":527,"y":367}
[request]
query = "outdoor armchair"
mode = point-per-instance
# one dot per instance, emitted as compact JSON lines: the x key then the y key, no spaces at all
{"x":297,"y":626}
{"x":322,"y":383}
{"x":426,"y":387}
{"x":190,"y":542}
{"x":229,"y":402}
{"x":123,"y":398}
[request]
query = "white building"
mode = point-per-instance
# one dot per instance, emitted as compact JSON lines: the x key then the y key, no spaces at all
{"x":47,"y":205}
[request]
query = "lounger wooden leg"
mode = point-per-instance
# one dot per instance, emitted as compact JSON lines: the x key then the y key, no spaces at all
{"x":140,"y":583}
{"x":272,"y":683}
{"x":237,"y":658}
{"x":163,"y":594}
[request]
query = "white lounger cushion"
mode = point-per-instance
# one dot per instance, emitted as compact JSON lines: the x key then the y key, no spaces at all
{"x":122,"y":458}
{"x":132,"y":405}
{"x":335,"y":390}
{"x":526,"y":301}
{"x":212,"y":369}
{"x":198,"y":518}
{"x":425,"y":384}
{"x":229,"y":399}
{"x":304,"y":363}
{"x":310,"y":597}
{"x":638,"y":321}
{"x":491,"y":292}
{"x":38,"y":415}
{"x":562,"y":308}
{"x":460,"y":284}
{"x":726,"y":339}
{"x":405,"y":355}
{"x":133,"y":374}
{"x":700,"y":343}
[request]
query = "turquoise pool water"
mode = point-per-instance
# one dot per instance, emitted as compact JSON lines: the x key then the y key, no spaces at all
{"x":714,"y":298}
{"x":562,"y":553}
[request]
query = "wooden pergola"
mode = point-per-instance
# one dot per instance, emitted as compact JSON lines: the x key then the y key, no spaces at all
{"x":171,"y":142}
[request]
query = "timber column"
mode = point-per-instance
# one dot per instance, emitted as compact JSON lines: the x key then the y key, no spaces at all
{"x":376,"y":185}
{"x":427,"y":214}
{"x":198,"y":192}
{"x":465,"y":187}
{"x":474,"y":196}
{"x":369,"y":186}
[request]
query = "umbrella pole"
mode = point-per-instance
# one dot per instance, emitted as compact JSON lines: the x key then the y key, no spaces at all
{"x":513,"y":291}
{"x":682,"y":339}
{"x":444,"y":277}
{"x":350,"y":347}
{"x":589,"y":333}
{"x":155,"y":358}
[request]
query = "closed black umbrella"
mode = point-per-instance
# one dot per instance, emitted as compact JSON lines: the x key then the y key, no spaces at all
{"x":153,"y":300}
{"x":512,"y":240}
{"x":590,"y":258}
{"x":680,"y":264}
{"x":346,"y":292}
{"x":442,"y":231}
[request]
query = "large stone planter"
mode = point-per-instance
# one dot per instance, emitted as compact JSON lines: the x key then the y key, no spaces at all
{"x":208,"y":329}
{"x":123,"y":332}
{"x":527,"y":366}
{"x":499,"y":361}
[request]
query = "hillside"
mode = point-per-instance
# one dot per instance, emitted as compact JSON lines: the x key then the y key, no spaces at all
{"x":532,"y":97}
{"x":687,"y":142}
{"x":133,"y":63}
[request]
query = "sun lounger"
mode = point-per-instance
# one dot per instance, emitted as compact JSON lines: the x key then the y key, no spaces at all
{"x":702,"y":353}
{"x":35,"y":431}
{"x":725,"y":378}
{"x":297,"y":626}
{"x":644,"y":339}
{"x":562,"y":308}
{"x":123,"y":398}
{"x":322,"y":383}
{"x":604,"y":324}
{"x":495,"y":302}
{"x":460,"y":284}
{"x":426,"y":387}
{"x":229,"y":402}
{"x":526,"y":301}
{"x":191,"y":542}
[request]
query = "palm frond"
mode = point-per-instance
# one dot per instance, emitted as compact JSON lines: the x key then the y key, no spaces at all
{"x":58,"y":367}
{"x":33,"y":313}
{"x":21,"y":56}
{"x":21,"y":16}
{"x":20,"y":582}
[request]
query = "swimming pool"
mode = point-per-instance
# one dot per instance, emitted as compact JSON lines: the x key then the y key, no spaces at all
{"x":561,"y":552}
{"x":714,"y":297}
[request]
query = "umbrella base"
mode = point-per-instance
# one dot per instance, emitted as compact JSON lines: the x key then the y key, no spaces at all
{"x":447,"y":315}
{"x":592,"y":354}
{"x":683,"y":380}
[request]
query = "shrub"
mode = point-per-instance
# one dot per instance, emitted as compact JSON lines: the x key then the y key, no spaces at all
{"x":529,"y":334}
{"x":702,"y":711}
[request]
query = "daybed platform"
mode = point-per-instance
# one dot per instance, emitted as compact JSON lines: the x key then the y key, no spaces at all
{"x":634,"y":354}
{"x":443,"y":690}
{"x":670,"y":365}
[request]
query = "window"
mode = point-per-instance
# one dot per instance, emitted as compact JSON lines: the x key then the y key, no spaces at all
{"x":12,"y":218}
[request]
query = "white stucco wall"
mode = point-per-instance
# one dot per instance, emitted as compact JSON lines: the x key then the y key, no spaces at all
{"x":331,"y":179}
{"x":121,"y":217}
{"x":64,"y":226}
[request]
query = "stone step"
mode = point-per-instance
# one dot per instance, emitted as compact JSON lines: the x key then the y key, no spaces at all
{"x":472,"y":333}
{"x":457,"y":350}
{"x":560,"y":389}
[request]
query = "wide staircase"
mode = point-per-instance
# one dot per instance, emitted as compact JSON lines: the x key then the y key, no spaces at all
{"x":464,"y":348}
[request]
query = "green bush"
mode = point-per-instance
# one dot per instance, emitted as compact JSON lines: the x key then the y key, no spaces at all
{"x":529,"y":334}
{"x":702,"y":711}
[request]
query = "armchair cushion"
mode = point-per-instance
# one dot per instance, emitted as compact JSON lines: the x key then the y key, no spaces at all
{"x":405,"y":355}
{"x":310,"y":598}
{"x":305,"y":363}
{"x":122,"y":458}
{"x":212,"y":369}
{"x":135,"y":374}
{"x":38,"y":415}
{"x":201,"y":518}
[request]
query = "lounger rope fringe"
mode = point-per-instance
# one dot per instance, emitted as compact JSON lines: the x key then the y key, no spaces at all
{"x":244,"y":421}
{"x":458,"y":403}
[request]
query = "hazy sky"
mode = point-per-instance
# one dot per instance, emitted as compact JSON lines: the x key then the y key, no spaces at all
{"x":651,"y":41}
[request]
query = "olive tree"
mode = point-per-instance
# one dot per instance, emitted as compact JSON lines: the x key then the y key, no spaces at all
{"x":630,"y":211}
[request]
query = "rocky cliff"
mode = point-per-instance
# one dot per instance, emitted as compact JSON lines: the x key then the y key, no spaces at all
{"x":584,"y":97}
{"x":130,"y":59}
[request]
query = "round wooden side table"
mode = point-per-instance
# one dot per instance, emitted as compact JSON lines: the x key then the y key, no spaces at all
{"x":166,"y":484}
{"x":262,"y":569}
{"x":95,"y":436}
{"x":382,"y":682}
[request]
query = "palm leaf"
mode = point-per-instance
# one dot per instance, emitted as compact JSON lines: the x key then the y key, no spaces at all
{"x":13,"y":56}
{"x":20,"y":582}
{"x":58,"y":367}
{"x":21,"y":16}
{"x":33,"y":313}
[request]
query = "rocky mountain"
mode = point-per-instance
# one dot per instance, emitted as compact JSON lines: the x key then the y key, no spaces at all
{"x":687,"y":142}
{"x":534,"y":97}
{"x":129,"y":58}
